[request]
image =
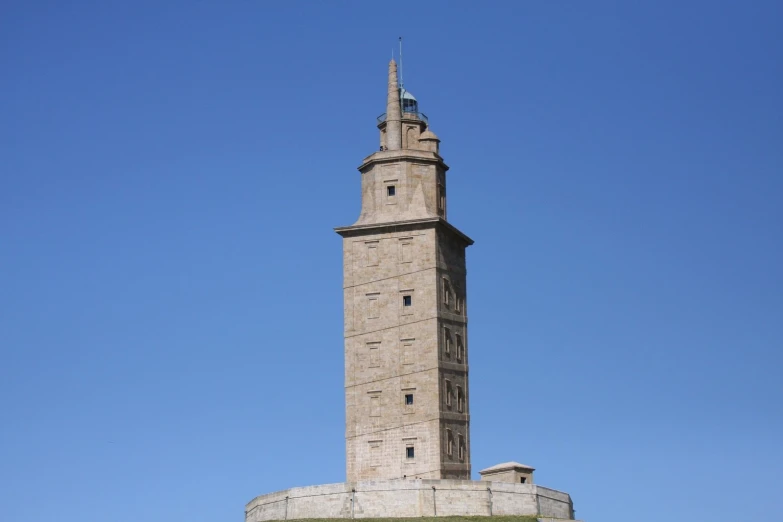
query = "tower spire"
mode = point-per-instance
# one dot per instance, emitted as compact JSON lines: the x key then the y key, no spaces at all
{"x":393,"y":114}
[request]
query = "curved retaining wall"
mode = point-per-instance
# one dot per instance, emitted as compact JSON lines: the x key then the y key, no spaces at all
{"x":410,"y":498}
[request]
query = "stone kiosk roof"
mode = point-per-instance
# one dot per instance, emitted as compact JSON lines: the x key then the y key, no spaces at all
{"x":506,"y":466}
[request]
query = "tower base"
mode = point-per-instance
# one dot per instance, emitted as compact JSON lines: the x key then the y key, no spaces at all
{"x":402,"y":498}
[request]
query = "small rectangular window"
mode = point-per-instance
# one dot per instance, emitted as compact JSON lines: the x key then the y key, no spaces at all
{"x":461,"y":447}
{"x":448,"y":392}
{"x":409,"y":452}
{"x":407,"y":401}
{"x":447,"y":342}
{"x":449,"y":443}
{"x":521,"y":480}
{"x":390,"y":187}
{"x":375,"y":406}
{"x":446,"y":292}
{"x":460,"y":348}
{"x":407,"y":302}
{"x":460,"y":400}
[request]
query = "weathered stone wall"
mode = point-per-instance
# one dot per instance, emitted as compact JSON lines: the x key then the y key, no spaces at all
{"x":505,"y":476}
{"x":418,"y":179}
{"x":388,"y":355}
{"x":393,"y":351}
{"x":410,"y":498}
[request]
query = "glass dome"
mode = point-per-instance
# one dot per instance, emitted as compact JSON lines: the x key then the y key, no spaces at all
{"x":409,"y":103}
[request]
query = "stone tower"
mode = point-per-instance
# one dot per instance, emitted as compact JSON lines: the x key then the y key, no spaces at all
{"x":406,"y":349}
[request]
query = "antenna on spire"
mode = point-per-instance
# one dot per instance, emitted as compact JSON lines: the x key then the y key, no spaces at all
{"x":402,"y":83}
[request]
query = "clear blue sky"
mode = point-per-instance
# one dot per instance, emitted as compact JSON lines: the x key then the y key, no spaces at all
{"x":170,"y":284}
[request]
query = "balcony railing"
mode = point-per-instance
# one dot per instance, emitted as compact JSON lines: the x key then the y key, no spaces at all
{"x":419,"y":115}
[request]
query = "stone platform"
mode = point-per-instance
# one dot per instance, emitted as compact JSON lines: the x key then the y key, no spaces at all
{"x":411,"y":498}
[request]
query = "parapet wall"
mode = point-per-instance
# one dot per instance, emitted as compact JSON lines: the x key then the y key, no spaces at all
{"x":410,"y":498}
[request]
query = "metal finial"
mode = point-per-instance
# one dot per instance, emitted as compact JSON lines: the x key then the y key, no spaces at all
{"x":402,"y":83}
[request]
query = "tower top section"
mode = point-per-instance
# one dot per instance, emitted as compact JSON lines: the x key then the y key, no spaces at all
{"x":406,"y":179}
{"x":403,"y":128}
{"x":400,"y":100}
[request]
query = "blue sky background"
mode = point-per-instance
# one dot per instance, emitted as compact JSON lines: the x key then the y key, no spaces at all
{"x":170,"y":284}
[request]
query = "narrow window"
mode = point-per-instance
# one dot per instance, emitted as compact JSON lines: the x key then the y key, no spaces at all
{"x":449,"y":443}
{"x":446,"y":292}
{"x":448,"y":393}
{"x":441,"y":200}
{"x":522,"y":480}
{"x":375,"y":406}
{"x":461,"y":447}
{"x":407,"y":302}
{"x":458,"y":304}
{"x":408,"y":399}
{"x":409,"y":452}
{"x":460,"y":348}
{"x":391,"y":191}
{"x":447,"y":342}
{"x":460,"y":400}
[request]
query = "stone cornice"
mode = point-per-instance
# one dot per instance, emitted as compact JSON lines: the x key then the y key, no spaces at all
{"x":456,"y":466}
{"x":454,"y":416}
{"x":454,"y":367}
{"x":390,"y":156}
{"x":373,"y":228}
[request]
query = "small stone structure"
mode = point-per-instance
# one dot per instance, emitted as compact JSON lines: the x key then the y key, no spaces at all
{"x":410,"y":498}
{"x":509,"y":472}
